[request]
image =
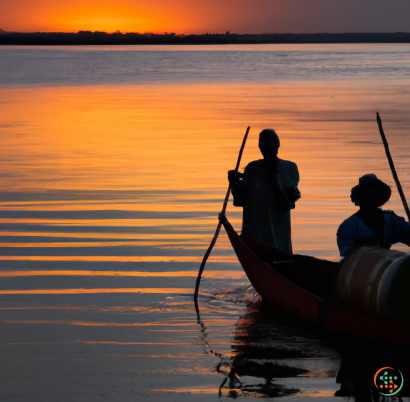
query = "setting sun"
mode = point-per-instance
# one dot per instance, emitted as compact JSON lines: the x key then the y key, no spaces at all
{"x":76,"y":15}
{"x":110,"y":18}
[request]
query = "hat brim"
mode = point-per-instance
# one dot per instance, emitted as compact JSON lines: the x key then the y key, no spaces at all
{"x":383,"y":193}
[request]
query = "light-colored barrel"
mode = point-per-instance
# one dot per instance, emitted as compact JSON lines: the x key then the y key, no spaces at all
{"x":371,"y":280}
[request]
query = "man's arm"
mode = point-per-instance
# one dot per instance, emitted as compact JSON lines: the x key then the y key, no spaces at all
{"x":345,"y":245}
{"x":237,"y":187}
{"x":400,"y":229}
{"x":293,"y":193}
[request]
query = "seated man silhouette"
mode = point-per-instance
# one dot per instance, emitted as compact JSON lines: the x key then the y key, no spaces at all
{"x":267,"y":191}
{"x":371,"y":226}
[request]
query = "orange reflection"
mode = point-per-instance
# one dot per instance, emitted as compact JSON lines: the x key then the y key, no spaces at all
{"x":120,"y":258}
{"x":162,"y":198}
{"x":106,"y":244}
{"x":68,"y":123}
{"x":174,"y":274}
{"x":112,"y":222}
{"x":103,"y":309}
{"x":85,"y":291}
{"x":149,"y":206}
{"x":76,"y":235}
{"x":325,"y":127}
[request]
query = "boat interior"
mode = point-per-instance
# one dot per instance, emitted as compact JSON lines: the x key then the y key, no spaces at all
{"x":312,"y":274}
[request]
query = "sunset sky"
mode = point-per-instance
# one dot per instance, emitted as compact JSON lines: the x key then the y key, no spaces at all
{"x":200,"y":16}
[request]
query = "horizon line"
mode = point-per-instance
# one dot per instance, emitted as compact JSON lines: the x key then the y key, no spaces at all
{"x":170,"y":33}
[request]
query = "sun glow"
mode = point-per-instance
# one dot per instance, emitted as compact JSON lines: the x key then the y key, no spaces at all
{"x":109,"y":19}
{"x":103,"y":15}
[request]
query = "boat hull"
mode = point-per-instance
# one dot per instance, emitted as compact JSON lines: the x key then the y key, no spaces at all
{"x":274,"y":287}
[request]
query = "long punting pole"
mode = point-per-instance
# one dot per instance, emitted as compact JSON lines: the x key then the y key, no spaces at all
{"x":218,"y":228}
{"x":393,"y":170}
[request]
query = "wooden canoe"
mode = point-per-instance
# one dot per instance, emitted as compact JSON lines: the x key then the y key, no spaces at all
{"x":305,"y":294}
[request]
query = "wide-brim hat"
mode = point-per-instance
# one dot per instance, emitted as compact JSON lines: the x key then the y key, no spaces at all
{"x":371,"y":191}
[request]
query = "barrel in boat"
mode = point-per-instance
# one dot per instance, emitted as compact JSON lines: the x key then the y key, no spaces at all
{"x":377,"y":281}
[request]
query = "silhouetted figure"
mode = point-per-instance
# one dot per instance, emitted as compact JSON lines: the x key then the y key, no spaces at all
{"x":371,"y":226}
{"x":267,"y":191}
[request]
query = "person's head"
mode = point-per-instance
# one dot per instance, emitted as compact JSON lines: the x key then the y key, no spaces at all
{"x":370,"y":193}
{"x":269,"y":143}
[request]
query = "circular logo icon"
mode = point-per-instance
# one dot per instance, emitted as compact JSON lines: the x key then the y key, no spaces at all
{"x":388,"y":381}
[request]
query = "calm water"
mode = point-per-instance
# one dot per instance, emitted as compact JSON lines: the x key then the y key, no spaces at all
{"x":113,"y":169}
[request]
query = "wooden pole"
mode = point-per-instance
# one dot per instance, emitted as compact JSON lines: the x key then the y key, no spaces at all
{"x":218,"y":228}
{"x":393,"y":170}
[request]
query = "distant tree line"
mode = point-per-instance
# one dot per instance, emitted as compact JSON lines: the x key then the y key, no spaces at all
{"x":118,"y":38}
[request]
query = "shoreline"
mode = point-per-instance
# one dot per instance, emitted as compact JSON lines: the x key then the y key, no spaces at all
{"x":86,"y":38}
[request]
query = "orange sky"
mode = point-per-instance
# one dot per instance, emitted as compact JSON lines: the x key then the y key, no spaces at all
{"x":199,"y":16}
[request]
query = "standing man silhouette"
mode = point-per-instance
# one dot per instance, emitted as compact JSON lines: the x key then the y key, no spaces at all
{"x":267,"y":191}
